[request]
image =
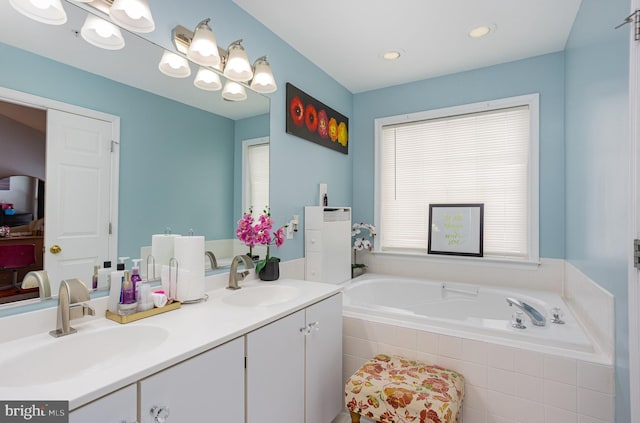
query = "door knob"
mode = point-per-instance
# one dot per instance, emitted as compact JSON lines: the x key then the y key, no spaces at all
{"x":55,"y":249}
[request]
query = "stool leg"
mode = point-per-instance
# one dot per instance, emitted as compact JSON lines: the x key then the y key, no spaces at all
{"x":355,"y":418}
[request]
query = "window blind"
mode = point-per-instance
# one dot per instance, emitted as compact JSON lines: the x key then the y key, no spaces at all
{"x":258,"y":177}
{"x":470,"y":158}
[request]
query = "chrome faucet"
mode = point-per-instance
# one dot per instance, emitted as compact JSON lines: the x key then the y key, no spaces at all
{"x":212,"y":259}
{"x":72,"y":293}
{"x":536,"y":317}
{"x":38,"y":279}
{"x":234,"y":275}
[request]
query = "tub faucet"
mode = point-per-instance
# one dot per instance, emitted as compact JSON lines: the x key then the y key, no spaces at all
{"x":536,"y":317}
{"x":71,"y":295}
{"x":234,"y":275}
{"x":212,"y":259}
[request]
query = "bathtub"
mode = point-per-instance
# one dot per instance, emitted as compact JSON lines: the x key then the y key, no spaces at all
{"x":468,"y":311}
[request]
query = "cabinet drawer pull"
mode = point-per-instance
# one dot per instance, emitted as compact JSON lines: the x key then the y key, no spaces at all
{"x":159,"y":414}
{"x":315,"y":326}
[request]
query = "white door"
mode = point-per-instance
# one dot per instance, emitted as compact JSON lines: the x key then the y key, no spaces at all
{"x":77,"y":196}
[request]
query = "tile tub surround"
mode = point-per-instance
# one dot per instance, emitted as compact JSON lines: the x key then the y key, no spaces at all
{"x":504,"y":384}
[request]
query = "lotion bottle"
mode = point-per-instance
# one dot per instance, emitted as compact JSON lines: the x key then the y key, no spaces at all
{"x":136,"y":279}
{"x":94,"y":278}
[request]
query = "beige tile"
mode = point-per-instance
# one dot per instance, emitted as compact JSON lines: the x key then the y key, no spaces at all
{"x":475,"y":397}
{"x":395,"y":335}
{"x":501,"y":380}
{"x":358,"y":347}
{"x":558,"y":415}
{"x":560,"y":395}
{"x":500,"y":357}
{"x":450,"y":346}
{"x":587,"y":419}
{"x":383,"y":348}
{"x":560,"y":369}
{"x":475,"y":374}
{"x":596,"y":377}
{"x":357,"y":328}
{"x":529,"y":387}
{"x":472,"y":415}
{"x":530,"y":411}
{"x":427,"y":342}
{"x":474,"y":351}
{"x":529,"y":362}
{"x":595,"y":404}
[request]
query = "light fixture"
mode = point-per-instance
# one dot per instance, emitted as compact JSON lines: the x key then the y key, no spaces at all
{"x":45,"y":11}
{"x":208,"y":80}
{"x":263,"y":80}
{"x":203,"y":48}
{"x":233,"y":91}
{"x":134,"y":15}
{"x":100,"y":33}
{"x":391,"y":55}
{"x":237,"y":66}
{"x":173,"y":65}
{"x":481,"y":31}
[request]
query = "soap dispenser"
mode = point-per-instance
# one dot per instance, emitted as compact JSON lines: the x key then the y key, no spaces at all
{"x":104,"y":275}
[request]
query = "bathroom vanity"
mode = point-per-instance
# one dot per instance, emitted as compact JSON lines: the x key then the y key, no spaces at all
{"x":273,"y":349}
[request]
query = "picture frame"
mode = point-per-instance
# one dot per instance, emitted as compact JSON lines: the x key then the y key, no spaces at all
{"x":456,"y":229}
{"x":314,"y":121}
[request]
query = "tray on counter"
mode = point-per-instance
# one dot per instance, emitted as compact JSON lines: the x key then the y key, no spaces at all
{"x":142,"y":314}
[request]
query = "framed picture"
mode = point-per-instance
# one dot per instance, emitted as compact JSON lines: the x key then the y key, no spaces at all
{"x":456,"y":229}
{"x":313,"y":121}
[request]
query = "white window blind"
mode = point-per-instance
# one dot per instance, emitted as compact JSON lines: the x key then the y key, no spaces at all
{"x":257,"y":177}
{"x":480,"y":157}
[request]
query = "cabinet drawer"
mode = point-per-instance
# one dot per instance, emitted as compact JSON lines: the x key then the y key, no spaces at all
{"x":313,"y":240}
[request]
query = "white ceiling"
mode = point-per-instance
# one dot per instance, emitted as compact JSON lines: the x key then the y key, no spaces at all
{"x":346,"y":38}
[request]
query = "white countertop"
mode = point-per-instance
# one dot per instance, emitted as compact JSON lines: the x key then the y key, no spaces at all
{"x":192,"y":329}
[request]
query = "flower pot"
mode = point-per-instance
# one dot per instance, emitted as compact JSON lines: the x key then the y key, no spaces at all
{"x":270,"y":271}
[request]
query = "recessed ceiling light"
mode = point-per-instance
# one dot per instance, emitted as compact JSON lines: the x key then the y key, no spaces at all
{"x":481,"y":31}
{"x":391,"y":55}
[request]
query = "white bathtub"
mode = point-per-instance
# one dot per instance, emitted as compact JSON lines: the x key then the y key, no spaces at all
{"x":470,"y":311}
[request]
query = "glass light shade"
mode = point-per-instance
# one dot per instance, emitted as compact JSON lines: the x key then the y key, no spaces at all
{"x":238,"y":67}
{"x":100,"y":33}
{"x":263,"y":80}
{"x":45,"y":11}
{"x":173,"y":65}
{"x":234,"y":91}
{"x":203,"y":48}
{"x":207,"y":80}
{"x":134,"y":15}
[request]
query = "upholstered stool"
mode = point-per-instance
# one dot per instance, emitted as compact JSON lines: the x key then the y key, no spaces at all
{"x":392,"y":389}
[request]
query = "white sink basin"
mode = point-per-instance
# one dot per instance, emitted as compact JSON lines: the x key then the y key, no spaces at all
{"x":261,"y":295}
{"x":77,"y":354}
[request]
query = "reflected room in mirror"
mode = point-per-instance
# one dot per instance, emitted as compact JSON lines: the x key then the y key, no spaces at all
{"x":22,"y":185}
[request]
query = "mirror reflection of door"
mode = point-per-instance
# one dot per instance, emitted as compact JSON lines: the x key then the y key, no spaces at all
{"x":22,"y":189}
{"x":76,"y":206}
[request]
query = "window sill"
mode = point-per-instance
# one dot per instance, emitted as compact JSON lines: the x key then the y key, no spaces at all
{"x":495,"y":261}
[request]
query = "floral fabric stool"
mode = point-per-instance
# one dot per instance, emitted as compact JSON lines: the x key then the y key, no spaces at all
{"x":392,"y":389}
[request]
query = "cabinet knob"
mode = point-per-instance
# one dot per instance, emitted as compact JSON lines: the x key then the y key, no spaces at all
{"x":159,"y":414}
{"x":315,"y":326}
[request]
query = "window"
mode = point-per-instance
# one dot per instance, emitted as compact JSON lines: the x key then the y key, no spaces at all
{"x":478,"y":153}
{"x":255,"y":175}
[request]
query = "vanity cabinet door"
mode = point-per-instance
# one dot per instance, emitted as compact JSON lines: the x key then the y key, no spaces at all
{"x":205,"y":388}
{"x":324,"y":384}
{"x":294,"y":367}
{"x":120,"y":406}
{"x":275,"y":371}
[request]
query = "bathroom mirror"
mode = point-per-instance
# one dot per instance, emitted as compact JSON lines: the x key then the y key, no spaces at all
{"x":181,"y":147}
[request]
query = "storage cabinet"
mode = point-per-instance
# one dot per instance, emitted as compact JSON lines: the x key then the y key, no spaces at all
{"x":205,"y":388}
{"x":294,"y":366}
{"x":118,"y":407}
{"x":327,"y":244}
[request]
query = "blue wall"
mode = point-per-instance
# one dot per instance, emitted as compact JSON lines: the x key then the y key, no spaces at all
{"x":597,"y":149}
{"x":543,"y":74}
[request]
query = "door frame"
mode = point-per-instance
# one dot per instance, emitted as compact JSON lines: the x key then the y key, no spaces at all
{"x":43,"y":103}
{"x":634,"y":220}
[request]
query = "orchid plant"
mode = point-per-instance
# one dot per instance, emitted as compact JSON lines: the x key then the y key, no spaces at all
{"x":361,"y":242}
{"x":253,"y":233}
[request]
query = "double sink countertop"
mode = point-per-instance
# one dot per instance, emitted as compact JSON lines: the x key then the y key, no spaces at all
{"x":104,"y":356}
